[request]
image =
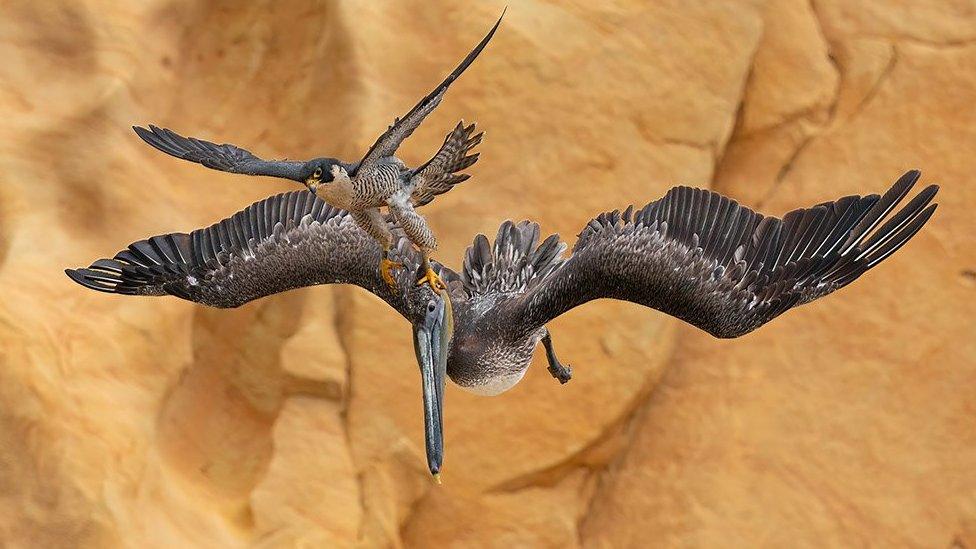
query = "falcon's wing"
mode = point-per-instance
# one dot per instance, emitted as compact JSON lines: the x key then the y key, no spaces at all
{"x":286,"y":241}
{"x":724,"y":268}
{"x":402,"y":128}
{"x":225,"y":157}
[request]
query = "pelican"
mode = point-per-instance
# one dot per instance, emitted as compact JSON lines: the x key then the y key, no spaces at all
{"x":693,"y":254}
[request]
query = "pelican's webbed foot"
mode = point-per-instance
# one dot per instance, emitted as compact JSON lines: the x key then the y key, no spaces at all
{"x":386,"y":266}
{"x":559,"y":371}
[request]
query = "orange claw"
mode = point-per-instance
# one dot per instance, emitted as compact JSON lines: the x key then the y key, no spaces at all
{"x":431,"y":278}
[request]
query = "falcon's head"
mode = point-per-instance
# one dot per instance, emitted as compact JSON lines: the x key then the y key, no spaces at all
{"x":321,"y":171}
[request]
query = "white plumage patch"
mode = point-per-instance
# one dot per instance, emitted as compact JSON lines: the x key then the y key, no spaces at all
{"x":496,"y":385}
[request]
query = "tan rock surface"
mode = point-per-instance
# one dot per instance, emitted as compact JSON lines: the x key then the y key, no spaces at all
{"x":296,"y":421}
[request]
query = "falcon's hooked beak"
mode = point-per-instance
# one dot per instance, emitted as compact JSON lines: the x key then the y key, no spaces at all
{"x":431,"y":341}
{"x":313,"y":184}
{"x":313,"y":181}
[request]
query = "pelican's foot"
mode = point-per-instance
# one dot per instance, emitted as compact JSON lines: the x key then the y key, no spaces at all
{"x":556,"y":368}
{"x":386,"y":265}
{"x":561,"y":372}
{"x":430,"y":277}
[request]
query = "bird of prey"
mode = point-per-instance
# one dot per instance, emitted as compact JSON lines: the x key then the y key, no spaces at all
{"x":361,"y":188}
{"x":692,"y":254}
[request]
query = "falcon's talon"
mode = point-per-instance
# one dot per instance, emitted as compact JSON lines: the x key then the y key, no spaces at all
{"x":386,"y":265}
{"x":430,"y":277}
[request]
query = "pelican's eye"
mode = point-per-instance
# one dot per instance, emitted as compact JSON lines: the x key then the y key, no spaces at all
{"x":317,"y":173}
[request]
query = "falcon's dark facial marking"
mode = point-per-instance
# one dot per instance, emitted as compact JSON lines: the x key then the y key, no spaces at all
{"x":317,"y":172}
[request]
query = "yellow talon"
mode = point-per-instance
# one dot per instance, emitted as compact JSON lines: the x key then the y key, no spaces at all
{"x":385,"y":266}
{"x":431,"y":278}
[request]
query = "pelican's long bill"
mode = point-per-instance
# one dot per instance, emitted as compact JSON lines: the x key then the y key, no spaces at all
{"x":431,"y":341}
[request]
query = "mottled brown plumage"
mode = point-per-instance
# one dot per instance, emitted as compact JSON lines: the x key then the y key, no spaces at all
{"x":693,"y":254}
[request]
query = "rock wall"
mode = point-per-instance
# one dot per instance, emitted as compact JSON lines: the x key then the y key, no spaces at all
{"x":296,"y":420}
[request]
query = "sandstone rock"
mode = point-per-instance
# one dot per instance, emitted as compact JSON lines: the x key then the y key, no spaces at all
{"x":296,"y":420}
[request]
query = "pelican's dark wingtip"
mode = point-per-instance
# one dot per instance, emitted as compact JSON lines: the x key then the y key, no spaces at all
{"x":74,"y":275}
{"x":98,"y":280}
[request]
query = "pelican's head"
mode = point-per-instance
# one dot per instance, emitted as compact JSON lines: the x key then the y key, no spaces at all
{"x":433,"y":329}
{"x":322,"y":171}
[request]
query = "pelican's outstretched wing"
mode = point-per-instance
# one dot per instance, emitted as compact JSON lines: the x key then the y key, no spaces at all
{"x":286,"y":241}
{"x":402,"y":128}
{"x":724,"y":268}
{"x":225,"y":157}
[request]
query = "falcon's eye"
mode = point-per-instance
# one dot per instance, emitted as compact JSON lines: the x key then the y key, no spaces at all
{"x":431,"y":306}
{"x":317,"y":173}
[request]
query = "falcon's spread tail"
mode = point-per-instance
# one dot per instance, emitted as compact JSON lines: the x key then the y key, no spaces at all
{"x":440,"y":173}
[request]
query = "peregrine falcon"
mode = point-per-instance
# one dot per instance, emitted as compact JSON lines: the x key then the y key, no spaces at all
{"x":378,"y":179}
{"x":693,"y":254}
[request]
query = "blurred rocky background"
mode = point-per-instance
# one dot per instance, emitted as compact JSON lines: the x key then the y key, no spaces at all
{"x":296,"y":420}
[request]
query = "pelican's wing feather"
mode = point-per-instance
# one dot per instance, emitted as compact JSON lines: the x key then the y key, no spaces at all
{"x":701,"y":257}
{"x":287,"y":241}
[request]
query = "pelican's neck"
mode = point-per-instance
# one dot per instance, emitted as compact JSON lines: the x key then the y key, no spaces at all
{"x":485,"y":359}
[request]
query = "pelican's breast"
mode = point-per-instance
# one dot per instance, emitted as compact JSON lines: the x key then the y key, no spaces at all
{"x":496,"y":385}
{"x":489,"y":367}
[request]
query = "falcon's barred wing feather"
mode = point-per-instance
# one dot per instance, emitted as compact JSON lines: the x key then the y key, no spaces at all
{"x":440,"y":173}
{"x":224,"y":157}
{"x":724,"y":268}
{"x":286,"y":241}
{"x":403,"y":127}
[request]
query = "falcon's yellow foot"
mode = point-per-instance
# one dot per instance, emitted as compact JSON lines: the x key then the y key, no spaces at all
{"x":431,"y":278}
{"x":385,"y":265}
